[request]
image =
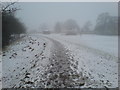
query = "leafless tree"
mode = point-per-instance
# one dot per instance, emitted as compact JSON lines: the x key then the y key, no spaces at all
{"x":58,"y":27}
{"x":8,"y":7}
{"x":71,"y":27}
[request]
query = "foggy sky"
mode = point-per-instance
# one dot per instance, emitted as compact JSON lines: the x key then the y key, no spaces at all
{"x":35,"y":13}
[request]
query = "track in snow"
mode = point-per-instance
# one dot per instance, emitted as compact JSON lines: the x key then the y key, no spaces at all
{"x":63,"y":69}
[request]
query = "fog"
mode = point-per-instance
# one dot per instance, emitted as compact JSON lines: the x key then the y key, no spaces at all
{"x":59,"y":45}
{"x":33,"y":14}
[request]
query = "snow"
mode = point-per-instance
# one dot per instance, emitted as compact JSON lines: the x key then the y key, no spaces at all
{"x":21,"y":58}
{"x":97,"y":58}
{"x":108,"y":44}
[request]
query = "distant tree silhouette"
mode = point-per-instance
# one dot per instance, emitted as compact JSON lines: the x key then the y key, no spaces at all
{"x":86,"y":29}
{"x":87,"y":26}
{"x":44,"y":27}
{"x":106,"y":24}
{"x":71,"y":27}
{"x":58,"y":27}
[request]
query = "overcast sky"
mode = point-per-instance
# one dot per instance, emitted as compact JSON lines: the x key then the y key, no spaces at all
{"x":35,"y":13}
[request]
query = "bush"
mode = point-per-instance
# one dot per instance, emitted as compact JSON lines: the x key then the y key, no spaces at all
{"x":10,"y":26}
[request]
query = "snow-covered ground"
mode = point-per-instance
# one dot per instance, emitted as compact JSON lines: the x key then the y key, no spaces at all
{"x":97,"y":57}
{"x":107,"y":44}
{"x":24,"y":61}
{"x":23,"y":57}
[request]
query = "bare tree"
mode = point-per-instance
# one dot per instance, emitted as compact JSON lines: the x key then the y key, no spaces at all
{"x":58,"y":27}
{"x":87,"y":27}
{"x":44,"y":27}
{"x":8,"y":7}
{"x":71,"y":27}
{"x":106,"y":24}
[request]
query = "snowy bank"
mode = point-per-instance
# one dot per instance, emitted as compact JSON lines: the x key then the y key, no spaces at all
{"x":24,"y":57}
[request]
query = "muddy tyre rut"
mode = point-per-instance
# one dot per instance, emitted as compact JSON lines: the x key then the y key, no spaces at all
{"x":63,"y":69}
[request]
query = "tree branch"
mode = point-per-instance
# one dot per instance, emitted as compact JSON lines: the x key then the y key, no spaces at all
{"x":8,"y":6}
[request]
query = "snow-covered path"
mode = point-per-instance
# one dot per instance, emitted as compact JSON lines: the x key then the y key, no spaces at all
{"x":100,"y":68}
{"x":50,"y":61}
{"x":63,"y":69}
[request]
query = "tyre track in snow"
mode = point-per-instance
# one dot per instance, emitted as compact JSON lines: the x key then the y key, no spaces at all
{"x":63,"y":69}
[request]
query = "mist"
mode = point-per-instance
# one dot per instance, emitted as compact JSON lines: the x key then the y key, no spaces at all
{"x":34,"y":14}
{"x":59,"y":45}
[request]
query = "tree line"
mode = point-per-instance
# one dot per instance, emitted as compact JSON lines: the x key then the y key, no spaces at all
{"x":69,"y":27}
{"x":105,"y":25}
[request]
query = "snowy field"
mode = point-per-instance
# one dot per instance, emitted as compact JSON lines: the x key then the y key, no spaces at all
{"x":25,"y":61}
{"x":107,"y":44}
{"x":97,"y":57}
